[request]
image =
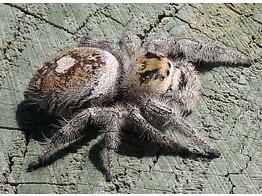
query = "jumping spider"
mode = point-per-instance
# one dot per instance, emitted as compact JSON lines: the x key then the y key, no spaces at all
{"x":113,"y":84}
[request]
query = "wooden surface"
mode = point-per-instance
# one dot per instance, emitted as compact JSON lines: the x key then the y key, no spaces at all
{"x":228,"y":115}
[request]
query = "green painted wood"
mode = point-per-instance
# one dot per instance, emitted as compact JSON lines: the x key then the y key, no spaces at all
{"x":229,"y":112}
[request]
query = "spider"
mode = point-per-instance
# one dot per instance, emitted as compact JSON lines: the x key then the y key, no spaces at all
{"x":108,"y":84}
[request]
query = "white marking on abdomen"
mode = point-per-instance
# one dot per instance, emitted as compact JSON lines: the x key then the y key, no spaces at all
{"x":64,"y":64}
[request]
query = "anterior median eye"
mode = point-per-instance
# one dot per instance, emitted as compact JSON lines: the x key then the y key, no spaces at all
{"x":162,"y":76}
{"x":154,"y":74}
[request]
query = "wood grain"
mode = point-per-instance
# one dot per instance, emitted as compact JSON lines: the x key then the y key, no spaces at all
{"x":229,"y":113}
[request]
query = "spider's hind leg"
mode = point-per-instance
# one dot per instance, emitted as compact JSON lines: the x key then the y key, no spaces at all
{"x":68,"y":132}
{"x":130,"y":42}
{"x":109,"y":46}
{"x":108,"y":117}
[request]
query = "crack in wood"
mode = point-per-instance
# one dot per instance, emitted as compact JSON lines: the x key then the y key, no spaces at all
{"x":112,"y":18}
{"x":95,"y":13}
{"x":11,"y":128}
{"x":232,"y":7}
{"x":15,"y":184}
{"x":38,"y":17}
{"x":231,"y":191}
{"x":10,"y":165}
{"x":257,"y":21}
{"x":154,"y":25}
{"x":120,"y":185}
{"x":191,"y":27}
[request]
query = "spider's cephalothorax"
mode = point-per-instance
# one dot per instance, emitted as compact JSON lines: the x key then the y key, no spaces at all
{"x":110,"y":84}
{"x":149,"y":74}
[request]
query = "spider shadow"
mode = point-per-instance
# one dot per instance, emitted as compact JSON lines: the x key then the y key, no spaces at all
{"x":203,"y":67}
{"x":34,"y":122}
{"x":133,"y":146}
{"x":37,"y":124}
{"x":70,"y":148}
{"x":145,"y":147}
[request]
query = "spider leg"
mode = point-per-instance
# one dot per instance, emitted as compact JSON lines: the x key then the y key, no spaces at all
{"x":112,"y":141}
{"x":129,"y":41}
{"x":161,"y":45}
{"x":108,"y":117}
{"x":188,"y":93}
{"x":176,"y":119}
{"x":197,"y":51}
{"x":109,"y":46}
{"x":157,"y":135}
{"x":69,"y":130}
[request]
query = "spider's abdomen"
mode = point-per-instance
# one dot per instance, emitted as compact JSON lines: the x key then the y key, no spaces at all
{"x":75,"y":78}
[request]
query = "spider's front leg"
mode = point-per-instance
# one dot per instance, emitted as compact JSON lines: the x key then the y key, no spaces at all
{"x":188,"y":95}
{"x":197,"y":51}
{"x":188,"y":87}
{"x":155,"y":134}
{"x":175,"y":118}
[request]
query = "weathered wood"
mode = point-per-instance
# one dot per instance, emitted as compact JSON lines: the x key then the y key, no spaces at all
{"x":229,"y":113}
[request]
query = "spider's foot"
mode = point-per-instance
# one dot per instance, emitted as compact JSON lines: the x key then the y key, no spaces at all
{"x":247,"y":61}
{"x":84,"y":40}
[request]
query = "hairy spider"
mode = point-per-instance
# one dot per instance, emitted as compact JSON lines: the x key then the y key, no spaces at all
{"x":113,"y":84}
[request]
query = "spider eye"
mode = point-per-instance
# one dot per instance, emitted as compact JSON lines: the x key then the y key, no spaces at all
{"x":167,"y":72}
{"x":151,"y":75}
{"x":162,"y":77}
{"x":150,"y":55}
{"x":169,"y":65}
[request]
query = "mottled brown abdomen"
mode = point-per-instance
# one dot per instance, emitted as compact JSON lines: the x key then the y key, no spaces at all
{"x":73,"y":79}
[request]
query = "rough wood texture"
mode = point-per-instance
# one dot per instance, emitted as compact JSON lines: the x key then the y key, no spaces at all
{"x":229,"y":113}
